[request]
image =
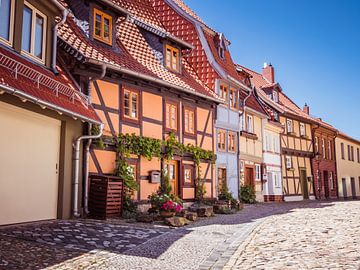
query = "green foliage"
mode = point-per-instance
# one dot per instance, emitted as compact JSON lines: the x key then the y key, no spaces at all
{"x":225,"y":194}
{"x":199,"y":186}
{"x":165,"y":187}
{"x":95,"y":130}
{"x":247,"y":194}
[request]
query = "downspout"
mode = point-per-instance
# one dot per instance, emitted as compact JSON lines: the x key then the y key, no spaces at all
{"x":76,"y":146}
{"x":88,"y":144}
{"x":54,"y":44}
{"x":238,"y":154}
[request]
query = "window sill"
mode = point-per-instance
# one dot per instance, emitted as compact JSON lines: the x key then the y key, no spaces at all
{"x":304,"y":136}
{"x":248,"y":135}
{"x":290,"y":169}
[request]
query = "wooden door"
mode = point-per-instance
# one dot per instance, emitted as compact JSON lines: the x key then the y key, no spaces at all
{"x":171,"y":169}
{"x":304,"y":184}
{"x":326,"y":184}
{"x":249,"y":176}
{"x":353,"y":188}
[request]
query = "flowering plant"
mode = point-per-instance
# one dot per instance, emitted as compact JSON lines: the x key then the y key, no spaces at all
{"x":171,"y":206}
{"x":165,"y":202}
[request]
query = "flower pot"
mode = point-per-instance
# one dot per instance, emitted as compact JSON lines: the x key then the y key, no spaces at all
{"x":167,"y":214}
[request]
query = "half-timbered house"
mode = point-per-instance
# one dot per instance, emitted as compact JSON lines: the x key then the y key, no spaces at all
{"x":295,"y":140}
{"x":140,"y":83}
{"x":42,"y":111}
{"x":212,"y":61}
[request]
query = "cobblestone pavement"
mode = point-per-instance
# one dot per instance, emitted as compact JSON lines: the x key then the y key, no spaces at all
{"x":254,"y":234}
{"x":306,"y":238}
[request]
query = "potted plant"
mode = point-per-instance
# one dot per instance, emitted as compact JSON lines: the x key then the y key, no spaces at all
{"x":170,"y":208}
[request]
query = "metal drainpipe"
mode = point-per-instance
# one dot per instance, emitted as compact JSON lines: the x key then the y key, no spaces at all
{"x":76,"y":212}
{"x":54,"y":44}
{"x":87,"y":148}
{"x":241,"y":114}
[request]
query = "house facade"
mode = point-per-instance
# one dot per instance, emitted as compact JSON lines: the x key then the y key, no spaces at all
{"x":348,"y":166}
{"x":324,"y":161}
{"x":140,"y":84}
{"x":42,"y":110}
{"x":212,"y":61}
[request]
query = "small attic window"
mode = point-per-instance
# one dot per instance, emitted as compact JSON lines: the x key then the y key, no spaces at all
{"x":222,"y":46}
{"x":172,"y":58}
{"x":102,"y":27}
{"x":221,"y":52}
{"x":275,"y":96}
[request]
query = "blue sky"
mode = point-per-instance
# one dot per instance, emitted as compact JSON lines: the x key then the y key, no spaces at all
{"x":313,"y":45}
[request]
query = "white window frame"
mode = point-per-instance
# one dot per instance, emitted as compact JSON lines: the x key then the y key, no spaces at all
{"x":11,"y":25}
{"x":288,"y":162}
{"x":242,"y":122}
{"x":276,"y":179}
{"x":302,"y":129}
{"x":275,"y":96}
{"x":289,"y":126}
{"x":257,"y":172}
{"x":329,"y":150}
{"x":250,"y":123}
{"x":323,"y":148}
{"x":31,"y":54}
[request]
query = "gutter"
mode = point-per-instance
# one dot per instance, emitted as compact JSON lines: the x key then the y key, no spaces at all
{"x":76,"y":160}
{"x":54,"y":39}
{"x":44,"y":104}
{"x":87,"y":148}
{"x":152,"y":79}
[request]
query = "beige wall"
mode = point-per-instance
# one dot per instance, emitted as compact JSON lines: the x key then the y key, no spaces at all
{"x":70,"y":130}
{"x":347,"y":169}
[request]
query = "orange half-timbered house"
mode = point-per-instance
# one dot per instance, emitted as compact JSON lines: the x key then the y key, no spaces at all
{"x":140,"y":83}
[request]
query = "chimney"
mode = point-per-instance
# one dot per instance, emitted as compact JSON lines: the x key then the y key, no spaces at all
{"x":268,"y":72}
{"x":306,"y":109}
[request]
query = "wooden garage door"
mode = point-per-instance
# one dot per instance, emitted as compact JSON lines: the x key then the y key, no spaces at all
{"x":29,"y":154}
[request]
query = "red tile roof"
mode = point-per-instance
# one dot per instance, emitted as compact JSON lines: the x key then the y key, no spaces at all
{"x":69,"y":100}
{"x":182,"y":27}
{"x":285,"y":103}
{"x":135,"y":53}
{"x":253,"y":103}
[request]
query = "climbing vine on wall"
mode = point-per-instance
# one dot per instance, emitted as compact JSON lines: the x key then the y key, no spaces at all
{"x":131,"y":144}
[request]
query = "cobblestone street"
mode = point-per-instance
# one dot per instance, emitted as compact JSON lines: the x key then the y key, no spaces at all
{"x":305,"y":235}
{"x":306,"y":238}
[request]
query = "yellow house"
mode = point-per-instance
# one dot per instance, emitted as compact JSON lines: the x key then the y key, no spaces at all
{"x":252,"y":121}
{"x":348,"y":166}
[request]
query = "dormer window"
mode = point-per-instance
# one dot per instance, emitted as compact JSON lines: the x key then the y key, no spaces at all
{"x":221,"y":52}
{"x":33,"y":33}
{"x":7,"y":21}
{"x":172,"y":58}
{"x":275,"y":96}
{"x":102,"y":27}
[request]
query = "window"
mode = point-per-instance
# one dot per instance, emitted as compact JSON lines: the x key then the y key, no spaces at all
{"x":189,"y":121}
{"x":232,"y":142}
{"x":289,"y":126}
{"x":171,"y":116}
{"x":132,"y":170}
{"x":323,"y":150}
{"x":276,"y":179}
{"x":7,"y":20}
{"x":188,"y":176}
{"x":242,"y":165}
{"x":233,"y":98}
{"x":316,"y":145}
{"x":331,"y":181}
{"x":288,"y":161}
{"x":329,"y":150}
{"x":358,"y":155}
{"x":131,"y":104}
{"x":221,"y":178}
{"x":221,"y":52}
{"x":349,"y":152}
{"x":250,"y":127}
{"x":33,"y":33}
{"x":342,"y":151}
{"x":257,"y":172}
{"x":224,"y":92}
{"x":172,"y":58}
{"x":302,"y":130}
{"x":275,"y":96}
{"x":222,"y":140}
{"x":102,"y":26}
{"x":242,"y":122}
{"x":352,"y":153}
